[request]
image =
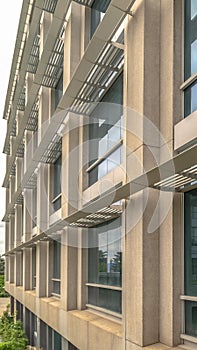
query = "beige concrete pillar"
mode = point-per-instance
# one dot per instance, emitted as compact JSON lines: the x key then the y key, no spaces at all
{"x":70,"y":168}
{"x":49,"y":275}
{"x":27,"y":268}
{"x":11,"y":231}
{"x":19,"y":117}
{"x":7,"y":236}
{"x":82,"y":263}
{"x":11,"y":268}
{"x":44,"y":111}
{"x":28,"y":81}
{"x":12,"y":142}
{"x":7,"y":268}
{"x":19,"y":172}
{"x":141,"y":257}
{"x":42,"y":197}
{"x":18,"y":270}
{"x":18,"y":225}
{"x":27,"y":215}
{"x":85,"y":27}
{"x":11,"y":187}
{"x":170,"y":113}
{"x":28,"y":149}
{"x":72,"y":43}
{"x":69,"y":269}
{"x":45,"y":23}
{"x":41,"y":269}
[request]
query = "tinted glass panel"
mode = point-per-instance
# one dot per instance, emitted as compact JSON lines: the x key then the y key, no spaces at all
{"x":193,"y":8}
{"x":105,"y":298}
{"x":190,"y":99}
{"x":191,"y":243}
{"x":190,"y":38}
{"x":191,"y":318}
{"x":105,"y":254}
{"x":105,"y":131}
{"x":57,"y":341}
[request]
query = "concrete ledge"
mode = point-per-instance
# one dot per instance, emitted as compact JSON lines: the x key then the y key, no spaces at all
{"x":185,"y":132}
{"x":81,"y":328}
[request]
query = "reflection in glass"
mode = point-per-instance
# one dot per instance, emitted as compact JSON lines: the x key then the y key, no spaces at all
{"x":105,"y":254}
{"x":194,"y":57}
{"x":191,"y":243}
{"x":105,"y":298}
{"x":190,"y":99}
{"x":193,"y":8}
{"x":191,"y":318}
{"x":190,"y":38}
{"x":105,"y":132}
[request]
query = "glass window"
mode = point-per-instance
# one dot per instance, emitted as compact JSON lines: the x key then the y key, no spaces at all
{"x":105,"y":298}
{"x":190,"y":54}
{"x":191,"y":99}
{"x":105,"y":265}
{"x":105,"y":132}
{"x":191,"y":318}
{"x":99,"y":7}
{"x":57,"y":341}
{"x":56,"y":267}
{"x":57,"y":186}
{"x":191,"y":243}
{"x":193,"y":8}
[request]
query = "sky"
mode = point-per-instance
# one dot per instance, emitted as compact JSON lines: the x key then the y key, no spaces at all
{"x":9,"y":18}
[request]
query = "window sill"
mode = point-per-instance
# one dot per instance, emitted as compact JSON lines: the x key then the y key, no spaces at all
{"x":105,"y":312}
{"x":189,"y":338}
{"x":104,"y":286}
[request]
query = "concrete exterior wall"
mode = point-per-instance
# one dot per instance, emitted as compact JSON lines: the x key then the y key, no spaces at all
{"x":152,"y":272}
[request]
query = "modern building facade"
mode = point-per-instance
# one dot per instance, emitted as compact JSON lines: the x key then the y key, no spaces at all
{"x":101,"y":179}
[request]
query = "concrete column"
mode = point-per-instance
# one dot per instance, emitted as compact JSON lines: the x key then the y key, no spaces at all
{"x":171,"y":272}
{"x":18,"y":225}
{"x":141,"y":256}
{"x":19,"y":117}
{"x":45,"y":23}
{"x":85,"y":28}
{"x":72,"y":43}
{"x":11,"y":231}
{"x":42,"y":198}
{"x":49,"y":275}
{"x":70,"y":168}
{"x":69,"y":269}
{"x":6,"y":268}
{"x":27,"y":215}
{"x":41,"y":269}
{"x":11,"y":187}
{"x":18,"y":269}
{"x":28,"y":149}
{"x":82,"y":252}
{"x":26,"y":269}
{"x":29,"y":80}
{"x":7,"y":236}
{"x":19,"y":169}
{"x":11,"y":269}
{"x":44,"y":111}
